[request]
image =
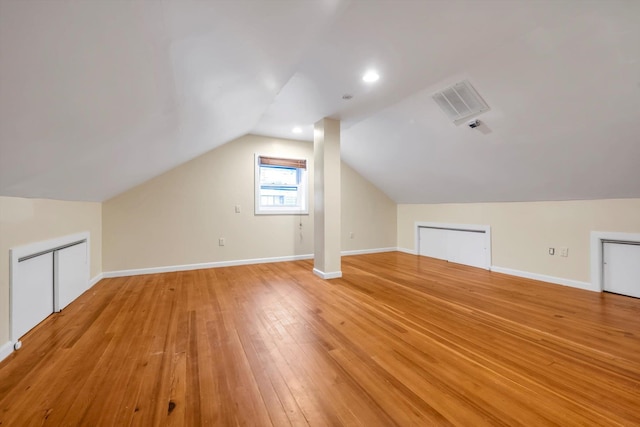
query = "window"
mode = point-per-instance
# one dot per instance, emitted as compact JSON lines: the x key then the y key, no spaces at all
{"x":281,"y":186}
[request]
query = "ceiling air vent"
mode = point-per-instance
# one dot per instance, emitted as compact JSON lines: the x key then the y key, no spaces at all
{"x":460,"y":101}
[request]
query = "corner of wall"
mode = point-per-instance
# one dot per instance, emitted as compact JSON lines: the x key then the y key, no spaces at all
{"x":5,"y":350}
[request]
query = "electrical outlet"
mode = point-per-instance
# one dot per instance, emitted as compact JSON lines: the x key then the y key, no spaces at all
{"x":352,"y":235}
{"x":237,"y":208}
{"x":552,"y":251}
{"x":221,"y":241}
{"x":564,"y":252}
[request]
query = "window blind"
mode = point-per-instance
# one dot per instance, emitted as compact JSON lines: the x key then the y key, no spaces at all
{"x":287,"y":163}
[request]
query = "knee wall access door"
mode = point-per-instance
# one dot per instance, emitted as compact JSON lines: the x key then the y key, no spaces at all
{"x":71,"y":279}
{"x":32,"y":300}
{"x":459,"y":243}
{"x":44,"y":278}
{"x":621,"y":268}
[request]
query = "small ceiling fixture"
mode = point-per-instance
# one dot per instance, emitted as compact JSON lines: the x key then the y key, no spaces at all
{"x":474,"y":123}
{"x":347,"y":96}
{"x":371,"y":76}
{"x":296,"y":129}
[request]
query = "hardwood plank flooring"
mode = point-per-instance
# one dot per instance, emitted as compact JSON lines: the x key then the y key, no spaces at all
{"x":399,"y":340}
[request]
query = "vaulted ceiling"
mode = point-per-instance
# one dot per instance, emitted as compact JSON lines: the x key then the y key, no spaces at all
{"x":98,"y":96}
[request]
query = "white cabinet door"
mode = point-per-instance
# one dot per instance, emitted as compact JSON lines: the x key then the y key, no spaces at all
{"x":433,"y":243}
{"x":467,"y":247}
{"x":459,"y":246}
{"x":72,"y":274}
{"x":621,"y":269}
{"x":31,"y":294}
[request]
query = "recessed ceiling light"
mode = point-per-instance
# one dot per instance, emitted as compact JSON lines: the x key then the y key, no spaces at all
{"x":371,"y":76}
{"x":296,"y":129}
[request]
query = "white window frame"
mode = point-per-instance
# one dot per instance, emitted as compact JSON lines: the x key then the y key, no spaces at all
{"x":281,"y":210}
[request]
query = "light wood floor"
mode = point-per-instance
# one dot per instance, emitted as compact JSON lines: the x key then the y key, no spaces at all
{"x":400,"y":340}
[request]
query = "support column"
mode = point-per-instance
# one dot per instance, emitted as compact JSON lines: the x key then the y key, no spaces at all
{"x":326,"y":227}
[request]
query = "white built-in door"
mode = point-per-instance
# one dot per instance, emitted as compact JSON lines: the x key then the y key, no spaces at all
{"x":434,"y":243}
{"x":462,"y":246}
{"x":621,"y":268}
{"x":45,"y":277}
{"x":32,"y":301}
{"x":72,"y":274}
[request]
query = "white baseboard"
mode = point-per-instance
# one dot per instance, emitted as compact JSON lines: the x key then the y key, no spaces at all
{"x":367,"y":251}
{"x":330,"y":275}
{"x":5,"y":350}
{"x":528,"y":275}
{"x":407,"y":251}
{"x":187,"y":267}
{"x":544,"y":278}
{"x":96,"y":279}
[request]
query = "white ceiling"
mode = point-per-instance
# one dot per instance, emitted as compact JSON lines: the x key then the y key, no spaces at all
{"x":98,"y":96}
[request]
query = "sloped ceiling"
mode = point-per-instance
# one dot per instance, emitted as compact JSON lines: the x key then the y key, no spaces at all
{"x":98,"y":96}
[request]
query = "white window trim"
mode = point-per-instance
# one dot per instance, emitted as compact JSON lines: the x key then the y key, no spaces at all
{"x":258,"y":210}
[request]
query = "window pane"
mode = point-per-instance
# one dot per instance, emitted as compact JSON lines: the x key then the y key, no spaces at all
{"x":279,"y":196}
{"x":278,"y":176}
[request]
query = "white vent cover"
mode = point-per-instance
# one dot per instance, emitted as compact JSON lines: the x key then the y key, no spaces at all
{"x":460,"y":101}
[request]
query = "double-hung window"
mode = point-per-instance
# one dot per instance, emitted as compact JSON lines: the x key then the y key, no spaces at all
{"x":281,"y":186}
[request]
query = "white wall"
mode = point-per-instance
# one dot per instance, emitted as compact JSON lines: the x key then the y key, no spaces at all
{"x":367,"y":213}
{"x":178,"y":217}
{"x":25,"y":221}
{"x":522,"y":232}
